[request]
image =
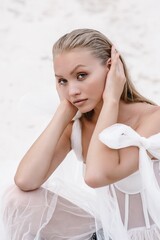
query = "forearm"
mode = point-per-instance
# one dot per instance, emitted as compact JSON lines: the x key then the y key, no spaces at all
{"x":35,"y":164}
{"x":107,"y":117}
{"x":100,"y":159}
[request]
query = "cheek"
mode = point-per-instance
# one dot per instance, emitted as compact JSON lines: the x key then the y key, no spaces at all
{"x":103,"y":80}
{"x":101,"y":89}
{"x":96,"y":90}
{"x":99,"y":85}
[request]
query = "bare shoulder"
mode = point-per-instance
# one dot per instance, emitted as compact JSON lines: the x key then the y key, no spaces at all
{"x":150,"y":121}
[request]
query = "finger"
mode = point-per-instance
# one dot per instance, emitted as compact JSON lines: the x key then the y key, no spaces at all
{"x":113,"y":52}
{"x":115,"y":61}
{"x":121,"y":71}
{"x":121,"y":67}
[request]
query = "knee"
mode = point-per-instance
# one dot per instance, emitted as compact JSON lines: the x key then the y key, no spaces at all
{"x":16,"y":198}
{"x":25,"y":210}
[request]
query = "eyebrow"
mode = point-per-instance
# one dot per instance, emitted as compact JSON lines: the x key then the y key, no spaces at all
{"x":74,"y":69}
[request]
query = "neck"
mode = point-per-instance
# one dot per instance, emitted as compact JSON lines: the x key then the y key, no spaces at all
{"x":96,"y":113}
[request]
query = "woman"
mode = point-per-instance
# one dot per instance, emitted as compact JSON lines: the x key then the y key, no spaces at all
{"x":115,"y":136}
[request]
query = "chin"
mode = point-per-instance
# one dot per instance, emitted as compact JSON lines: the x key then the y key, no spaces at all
{"x":86,"y":109}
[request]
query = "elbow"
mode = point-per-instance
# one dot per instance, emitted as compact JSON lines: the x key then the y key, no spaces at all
{"x":96,"y":180}
{"x":24,"y":185}
{"x":91,"y":182}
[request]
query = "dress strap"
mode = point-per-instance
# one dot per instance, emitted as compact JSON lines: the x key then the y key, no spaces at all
{"x":126,"y":210}
{"x":145,"y":212}
{"x":76,"y":139}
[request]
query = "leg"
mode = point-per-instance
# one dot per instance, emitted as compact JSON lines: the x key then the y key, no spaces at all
{"x":41,"y":214}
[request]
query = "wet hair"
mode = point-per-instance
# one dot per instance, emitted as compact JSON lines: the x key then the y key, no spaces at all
{"x":100,"y":46}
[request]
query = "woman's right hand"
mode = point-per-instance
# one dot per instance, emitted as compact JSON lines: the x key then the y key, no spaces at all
{"x":69,"y":109}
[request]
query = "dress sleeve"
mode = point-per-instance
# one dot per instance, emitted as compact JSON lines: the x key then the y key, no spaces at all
{"x":119,"y":136}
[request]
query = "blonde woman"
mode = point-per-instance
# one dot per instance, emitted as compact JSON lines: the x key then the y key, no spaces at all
{"x":116,"y":136}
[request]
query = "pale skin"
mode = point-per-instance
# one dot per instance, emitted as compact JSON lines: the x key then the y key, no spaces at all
{"x":81,"y":76}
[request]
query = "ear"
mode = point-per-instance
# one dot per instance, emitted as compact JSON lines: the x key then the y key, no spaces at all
{"x":108,"y":63}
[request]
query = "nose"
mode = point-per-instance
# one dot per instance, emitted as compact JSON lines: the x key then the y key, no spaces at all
{"x":74,"y":90}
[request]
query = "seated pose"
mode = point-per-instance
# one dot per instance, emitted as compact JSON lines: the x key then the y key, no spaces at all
{"x":113,"y":130}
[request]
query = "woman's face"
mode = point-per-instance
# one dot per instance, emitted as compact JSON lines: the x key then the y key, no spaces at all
{"x":80,"y":78}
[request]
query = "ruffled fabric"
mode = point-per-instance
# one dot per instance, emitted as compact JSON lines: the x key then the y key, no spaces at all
{"x":45,"y":215}
{"x":116,"y":137}
{"x":65,"y":208}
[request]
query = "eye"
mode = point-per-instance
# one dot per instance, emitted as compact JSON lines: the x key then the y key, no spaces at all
{"x":62,"y":81}
{"x":81,"y":76}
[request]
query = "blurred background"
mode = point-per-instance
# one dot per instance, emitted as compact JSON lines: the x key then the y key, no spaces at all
{"x":28,"y":29}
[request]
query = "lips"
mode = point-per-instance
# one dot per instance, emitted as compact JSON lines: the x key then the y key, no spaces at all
{"x":79,"y":101}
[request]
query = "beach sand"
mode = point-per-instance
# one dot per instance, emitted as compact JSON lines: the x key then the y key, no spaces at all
{"x":28,"y":30}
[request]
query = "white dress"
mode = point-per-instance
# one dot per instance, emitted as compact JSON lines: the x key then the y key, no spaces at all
{"x":67,"y":209}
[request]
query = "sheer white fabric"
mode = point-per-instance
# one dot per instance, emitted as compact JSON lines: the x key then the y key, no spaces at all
{"x":44,"y":215}
{"x":132,"y":203}
{"x":65,"y":208}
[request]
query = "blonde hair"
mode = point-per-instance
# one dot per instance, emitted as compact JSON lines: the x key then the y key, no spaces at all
{"x":100,"y":47}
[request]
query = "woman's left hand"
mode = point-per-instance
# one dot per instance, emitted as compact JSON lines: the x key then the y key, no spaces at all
{"x":115,"y":78}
